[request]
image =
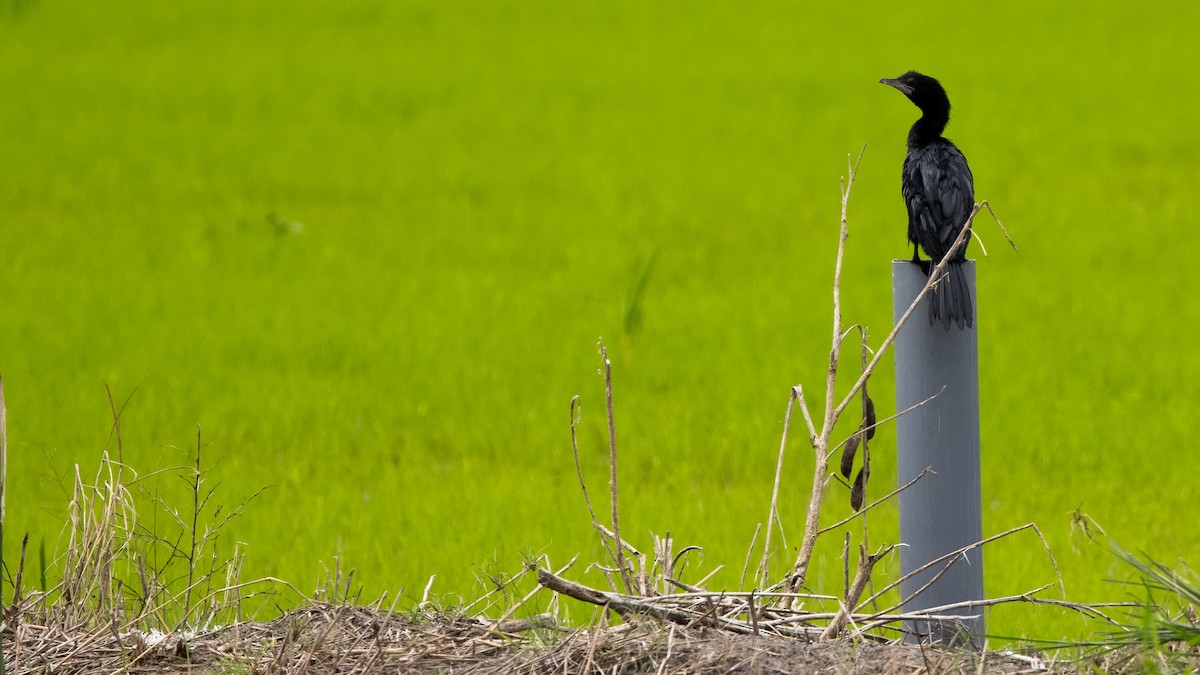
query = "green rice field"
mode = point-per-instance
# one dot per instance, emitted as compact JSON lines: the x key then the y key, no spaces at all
{"x":368,"y":248}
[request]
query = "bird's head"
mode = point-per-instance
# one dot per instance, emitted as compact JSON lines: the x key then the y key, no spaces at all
{"x":926,"y":92}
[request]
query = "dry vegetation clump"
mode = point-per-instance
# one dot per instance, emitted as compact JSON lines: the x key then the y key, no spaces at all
{"x":323,"y":638}
{"x":318,"y":638}
{"x":651,"y":647}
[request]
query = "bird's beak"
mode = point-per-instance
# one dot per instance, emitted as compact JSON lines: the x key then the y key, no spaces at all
{"x":904,"y":88}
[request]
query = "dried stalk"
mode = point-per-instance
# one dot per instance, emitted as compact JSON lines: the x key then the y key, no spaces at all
{"x":575,"y":421}
{"x":877,"y":502}
{"x":773,"y":514}
{"x":749,"y":554}
{"x":821,"y":439}
{"x":627,"y":605}
{"x":866,"y":564}
{"x":197,"y":479}
{"x":889,"y":418}
{"x":612,"y":468}
{"x":953,"y":555}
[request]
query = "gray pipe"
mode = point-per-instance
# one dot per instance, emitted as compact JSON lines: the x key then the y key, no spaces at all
{"x":943,"y":511}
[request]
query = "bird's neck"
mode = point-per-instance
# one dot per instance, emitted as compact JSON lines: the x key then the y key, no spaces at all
{"x":929,"y":128}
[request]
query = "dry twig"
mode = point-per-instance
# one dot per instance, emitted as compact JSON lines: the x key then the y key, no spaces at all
{"x":612,"y":468}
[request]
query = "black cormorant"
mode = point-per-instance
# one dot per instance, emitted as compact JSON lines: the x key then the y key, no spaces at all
{"x":940,"y":193}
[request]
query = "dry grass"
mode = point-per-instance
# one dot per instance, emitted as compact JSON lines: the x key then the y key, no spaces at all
{"x":323,"y":638}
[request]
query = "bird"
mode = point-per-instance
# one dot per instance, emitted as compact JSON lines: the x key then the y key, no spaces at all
{"x":939,"y":191}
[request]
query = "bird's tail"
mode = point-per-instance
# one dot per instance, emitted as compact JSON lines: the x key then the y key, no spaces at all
{"x":950,"y":300}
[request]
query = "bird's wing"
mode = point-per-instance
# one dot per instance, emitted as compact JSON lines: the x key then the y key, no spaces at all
{"x":942,"y":199}
{"x":913,"y":187}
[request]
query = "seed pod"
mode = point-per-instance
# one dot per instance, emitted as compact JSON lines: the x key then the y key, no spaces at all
{"x":859,"y":490}
{"x":869,"y":415}
{"x":848,"y":452}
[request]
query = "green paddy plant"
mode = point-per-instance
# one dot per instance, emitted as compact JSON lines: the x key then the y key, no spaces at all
{"x":1162,"y":630}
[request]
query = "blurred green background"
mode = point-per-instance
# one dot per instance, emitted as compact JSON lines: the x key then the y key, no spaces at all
{"x":369,"y":248}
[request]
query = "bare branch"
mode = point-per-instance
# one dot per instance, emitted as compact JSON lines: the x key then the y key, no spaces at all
{"x":773,"y":514}
{"x":877,"y":502}
{"x":890,"y":418}
{"x":949,"y":557}
{"x":798,"y":392}
{"x":821,"y":443}
{"x":863,"y":575}
{"x":626,"y":605}
{"x":1002,"y":229}
{"x":750,"y":552}
{"x":612,"y":467}
{"x":576,"y":420}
